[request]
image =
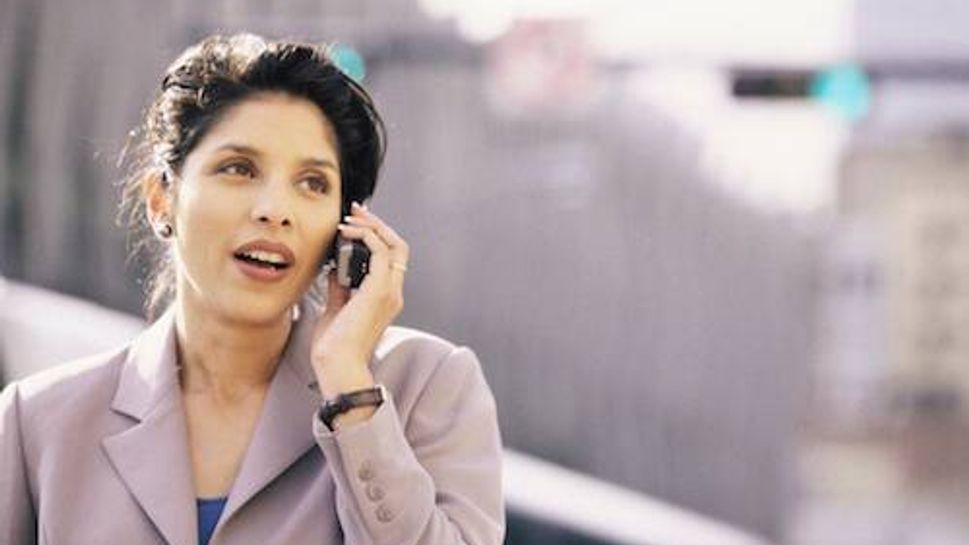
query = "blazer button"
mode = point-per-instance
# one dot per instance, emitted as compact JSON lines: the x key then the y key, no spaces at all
{"x":365,"y":472}
{"x":374,"y":492}
{"x":384,"y":514}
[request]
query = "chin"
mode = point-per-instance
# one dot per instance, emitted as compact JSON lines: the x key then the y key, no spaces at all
{"x":223,"y":298}
{"x":263,"y":309}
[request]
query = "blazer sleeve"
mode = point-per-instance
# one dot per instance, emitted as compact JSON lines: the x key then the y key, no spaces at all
{"x":18,"y":522}
{"x":437,"y":483}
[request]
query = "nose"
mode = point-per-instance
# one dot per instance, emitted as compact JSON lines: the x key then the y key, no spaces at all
{"x":271,"y":206}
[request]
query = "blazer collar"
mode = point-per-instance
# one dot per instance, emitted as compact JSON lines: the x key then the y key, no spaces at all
{"x":284,"y":432}
{"x":148,"y":391}
{"x":150,"y":372}
{"x":152,"y":457}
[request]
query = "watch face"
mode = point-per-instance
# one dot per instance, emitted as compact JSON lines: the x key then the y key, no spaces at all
{"x":344,"y":402}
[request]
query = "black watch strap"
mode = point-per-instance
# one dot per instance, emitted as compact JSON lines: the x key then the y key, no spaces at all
{"x":368,"y":397}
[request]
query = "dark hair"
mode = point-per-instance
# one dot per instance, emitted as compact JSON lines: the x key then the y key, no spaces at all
{"x":198,"y":88}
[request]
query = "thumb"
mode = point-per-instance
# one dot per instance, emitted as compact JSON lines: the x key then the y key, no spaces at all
{"x":336,"y":295}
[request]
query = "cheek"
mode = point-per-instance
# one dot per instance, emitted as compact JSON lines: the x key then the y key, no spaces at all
{"x":325,"y":235}
{"x":200,"y":219}
{"x":204,"y":203}
{"x":321,"y":233}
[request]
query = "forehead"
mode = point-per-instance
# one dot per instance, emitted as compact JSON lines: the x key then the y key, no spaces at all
{"x":278,"y":125}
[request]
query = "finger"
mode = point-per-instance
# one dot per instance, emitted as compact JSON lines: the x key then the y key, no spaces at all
{"x":336,"y":298}
{"x":379,"y":251}
{"x":336,"y":295}
{"x":399,"y":247}
{"x":395,"y":259}
{"x":400,"y":250}
{"x":382,"y":280}
{"x":367,"y":234}
{"x":365,"y":217}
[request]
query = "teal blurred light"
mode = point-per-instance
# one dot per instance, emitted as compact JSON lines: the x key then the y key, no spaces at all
{"x":349,"y":60}
{"x":845,"y":89}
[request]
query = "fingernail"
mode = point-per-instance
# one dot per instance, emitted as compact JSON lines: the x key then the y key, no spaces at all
{"x":355,"y":204}
{"x":347,"y":218}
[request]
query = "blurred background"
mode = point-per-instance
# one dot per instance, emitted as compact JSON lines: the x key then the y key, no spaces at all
{"x":714,"y":256}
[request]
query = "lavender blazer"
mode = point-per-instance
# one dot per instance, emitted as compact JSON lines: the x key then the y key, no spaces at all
{"x":95,"y":451}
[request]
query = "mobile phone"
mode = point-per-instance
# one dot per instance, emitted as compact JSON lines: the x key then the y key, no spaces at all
{"x":352,"y":262}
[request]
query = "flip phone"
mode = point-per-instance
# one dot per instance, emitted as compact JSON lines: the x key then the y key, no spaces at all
{"x":352,"y":262}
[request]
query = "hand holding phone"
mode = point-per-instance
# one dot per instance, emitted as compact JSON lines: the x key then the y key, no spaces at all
{"x":371,"y":256}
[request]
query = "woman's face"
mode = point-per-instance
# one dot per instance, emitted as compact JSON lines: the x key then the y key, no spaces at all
{"x":262,"y":186}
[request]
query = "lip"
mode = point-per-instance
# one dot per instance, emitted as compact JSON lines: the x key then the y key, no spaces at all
{"x":268,"y":246}
{"x":263,"y":274}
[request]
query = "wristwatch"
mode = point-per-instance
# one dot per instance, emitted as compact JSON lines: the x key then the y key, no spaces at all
{"x":368,"y":397}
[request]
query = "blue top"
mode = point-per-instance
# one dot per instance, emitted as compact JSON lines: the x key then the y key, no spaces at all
{"x":209,"y":512}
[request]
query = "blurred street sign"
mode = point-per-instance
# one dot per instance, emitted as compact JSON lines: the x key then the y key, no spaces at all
{"x":543,"y":66}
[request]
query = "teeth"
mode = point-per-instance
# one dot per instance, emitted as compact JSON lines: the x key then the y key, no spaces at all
{"x":268,"y":257}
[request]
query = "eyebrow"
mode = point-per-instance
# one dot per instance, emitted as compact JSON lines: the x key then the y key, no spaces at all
{"x":249,"y":150}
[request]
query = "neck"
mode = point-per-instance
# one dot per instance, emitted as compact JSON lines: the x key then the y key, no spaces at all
{"x":224,"y":358}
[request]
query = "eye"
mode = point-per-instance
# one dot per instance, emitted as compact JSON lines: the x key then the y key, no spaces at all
{"x":237,"y":168}
{"x":315,"y":184}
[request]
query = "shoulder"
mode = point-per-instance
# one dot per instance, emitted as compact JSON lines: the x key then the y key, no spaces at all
{"x":416,"y":365}
{"x":93,"y":370}
{"x":416,"y":352}
{"x":404,"y":342}
{"x":70,"y":387}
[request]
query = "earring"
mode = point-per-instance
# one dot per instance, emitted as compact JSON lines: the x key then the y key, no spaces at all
{"x":294,"y":313}
{"x":164,"y":231}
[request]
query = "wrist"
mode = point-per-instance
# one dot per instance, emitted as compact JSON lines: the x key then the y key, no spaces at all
{"x":352,"y":407}
{"x":353,"y":416}
{"x":334,"y":380}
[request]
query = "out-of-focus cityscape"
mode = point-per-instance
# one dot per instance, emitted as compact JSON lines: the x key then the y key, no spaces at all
{"x":716,"y":254}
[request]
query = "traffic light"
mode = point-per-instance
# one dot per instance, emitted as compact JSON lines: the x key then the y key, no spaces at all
{"x":349,"y":61}
{"x":845,"y":89}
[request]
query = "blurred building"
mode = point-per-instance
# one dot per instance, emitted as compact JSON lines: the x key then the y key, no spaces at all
{"x":884,"y":460}
{"x":918,"y":196}
{"x":905,"y":408}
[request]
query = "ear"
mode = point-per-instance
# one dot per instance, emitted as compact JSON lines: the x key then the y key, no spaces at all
{"x":158,"y":197}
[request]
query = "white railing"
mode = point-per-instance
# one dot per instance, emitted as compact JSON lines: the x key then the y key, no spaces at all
{"x":40,"y":328}
{"x":607,"y":512}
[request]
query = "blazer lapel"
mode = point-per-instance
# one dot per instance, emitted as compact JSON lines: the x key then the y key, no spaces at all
{"x":152,"y":457}
{"x":284,"y":431}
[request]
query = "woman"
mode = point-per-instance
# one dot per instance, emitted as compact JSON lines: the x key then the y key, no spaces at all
{"x":245,"y":414}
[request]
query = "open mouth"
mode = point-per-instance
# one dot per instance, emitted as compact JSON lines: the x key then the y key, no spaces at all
{"x":264,"y":260}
